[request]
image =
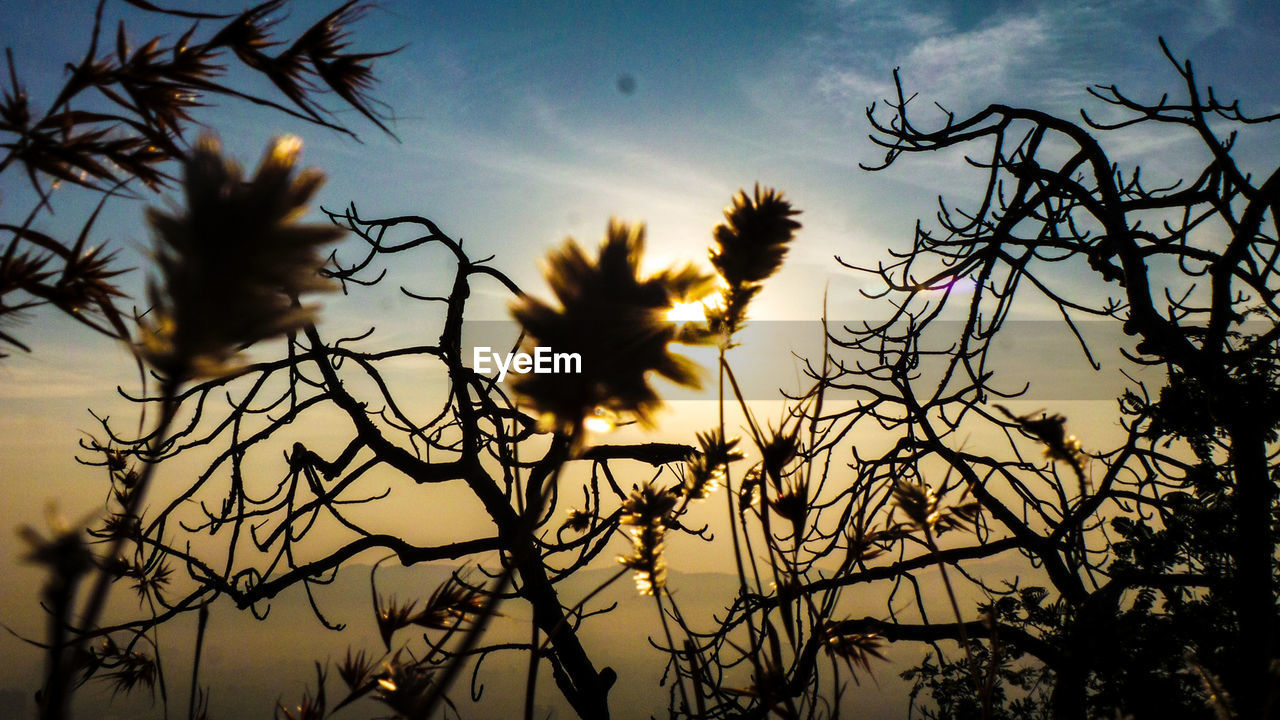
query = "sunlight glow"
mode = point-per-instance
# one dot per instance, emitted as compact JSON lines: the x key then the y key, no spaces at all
{"x":599,"y":421}
{"x":286,"y":149}
{"x":696,"y":311}
{"x":687,"y":312}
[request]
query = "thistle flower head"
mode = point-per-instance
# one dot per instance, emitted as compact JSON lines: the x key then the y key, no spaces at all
{"x":856,"y":649}
{"x":451,"y":604}
{"x":918,"y":502}
{"x":749,"y":248}
{"x":615,"y":320}
{"x":705,"y":470}
{"x":646,"y":511}
{"x":233,"y":263}
{"x":753,"y":240}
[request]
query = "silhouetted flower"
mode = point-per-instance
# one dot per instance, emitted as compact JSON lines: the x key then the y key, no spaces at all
{"x":392,"y":616}
{"x":918,"y":502}
{"x":646,"y":511}
{"x":792,"y":503}
{"x":616,"y":321}
{"x":856,"y":649}
{"x":403,"y":686}
{"x":578,"y":520}
{"x":356,"y":670}
{"x":129,"y":670}
{"x":1058,"y":443}
{"x":924,"y":510}
{"x":752,"y":242}
{"x":706,"y":468}
{"x":64,"y":552}
{"x":750,"y":247}
{"x":452,"y":603}
{"x":781,"y":448}
{"x":234,"y":262}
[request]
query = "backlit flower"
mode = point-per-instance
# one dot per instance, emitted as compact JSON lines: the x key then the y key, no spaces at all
{"x":646,"y":512}
{"x":750,"y":246}
{"x":616,"y":321}
{"x":233,"y":263}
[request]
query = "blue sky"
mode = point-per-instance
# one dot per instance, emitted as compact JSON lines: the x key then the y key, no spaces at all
{"x":514,"y":134}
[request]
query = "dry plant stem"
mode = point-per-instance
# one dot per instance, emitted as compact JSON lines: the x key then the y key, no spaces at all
{"x":732,"y":499}
{"x":666,"y":630}
{"x":728,"y":486}
{"x":201,"y":623}
{"x":531,"y":679}
{"x":774,"y":560}
{"x":57,"y":692}
{"x":159,"y":660}
{"x":955,"y":609}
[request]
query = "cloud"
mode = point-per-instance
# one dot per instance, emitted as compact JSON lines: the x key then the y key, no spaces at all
{"x":936,"y":60}
{"x":977,"y":59}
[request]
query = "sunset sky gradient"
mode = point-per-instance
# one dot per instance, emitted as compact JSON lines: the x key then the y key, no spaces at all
{"x":521,"y":124}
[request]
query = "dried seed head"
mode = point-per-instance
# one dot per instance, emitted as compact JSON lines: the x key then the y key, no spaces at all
{"x":578,"y":520}
{"x":918,"y":502}
{"x":391,"y":616}
{"x":749,"y":248}
{"x":1058,"y":443}
{"x":646,"y":511}
{"x":234,"y":262}
{"x":616,"y":322}
{"x":781,"y":448}
{"x":451,"y":604}
{"x":856,"y":649}
{"x":403,"y":686}
{"x":355,"y":670}
{"x":754,"y":239}
{"x":705,"y":470}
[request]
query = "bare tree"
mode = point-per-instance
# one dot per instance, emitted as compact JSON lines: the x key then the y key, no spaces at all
{"x":1146,"y":556}
{"x":473,"y":435}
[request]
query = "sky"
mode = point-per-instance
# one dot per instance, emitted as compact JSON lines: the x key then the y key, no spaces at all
{"x":521,"y":124}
